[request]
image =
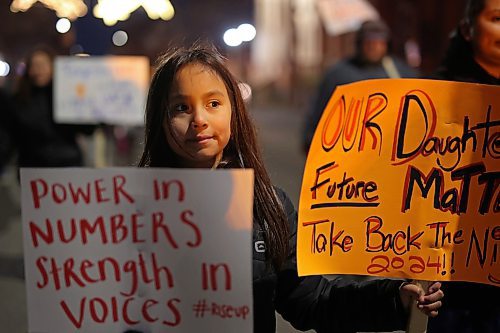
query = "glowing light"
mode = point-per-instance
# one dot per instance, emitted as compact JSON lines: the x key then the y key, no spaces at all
{"x":63,"y":25}
{"x":120,"y":38}
{"x":112,"y":11}
{"x":71,"y":9}
{"x":246,"y":91}
{"x":247,"y":32}
{"x":158,"y":9}
{"x":4,"y":68}
{"x":232,"y":37}
{"x":244,"y":33}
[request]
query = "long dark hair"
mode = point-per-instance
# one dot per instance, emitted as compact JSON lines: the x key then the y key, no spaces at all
{"x":472,"y":10}
{"x":241,"y":151}
{"x":24,"y":88}
{"x":460,"y":54}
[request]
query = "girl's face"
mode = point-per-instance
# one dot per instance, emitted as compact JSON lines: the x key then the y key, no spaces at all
{"x":486,"y":35}
{"x":200,"y":117}
{"x":40,"y":71}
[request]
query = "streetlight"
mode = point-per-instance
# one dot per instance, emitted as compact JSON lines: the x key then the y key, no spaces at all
{"x":63,"y":25}
{"x":120,"y":38}
{"x":4,"y":68}
{"x":235,"y":36}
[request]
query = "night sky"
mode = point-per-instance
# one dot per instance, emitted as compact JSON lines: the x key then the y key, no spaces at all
{"x":194,"y":19}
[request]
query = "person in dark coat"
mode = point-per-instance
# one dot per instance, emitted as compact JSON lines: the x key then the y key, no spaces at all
{"x":473,"y":55}
{"x":6,"y":144}
{"x":370,"y":61}
{"x":38,"y":139}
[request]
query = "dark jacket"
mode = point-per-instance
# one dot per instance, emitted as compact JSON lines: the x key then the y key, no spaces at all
{"x":314,"y":302}
{"x":346,"y":71}
{"x":6,"y":144}
{"x":39,"y":140}
{"x":467,"y":307}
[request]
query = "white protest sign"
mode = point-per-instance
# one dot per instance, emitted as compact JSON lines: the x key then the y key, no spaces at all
{"x":156,"y":250}
{"x":103,"y":89}
{"x":342,"y":16}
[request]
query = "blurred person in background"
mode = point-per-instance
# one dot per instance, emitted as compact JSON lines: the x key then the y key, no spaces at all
{"x":473,"y":55}
{"x":37,"y":138}
{"x":370,"y":61}
{"x":5,"y":131}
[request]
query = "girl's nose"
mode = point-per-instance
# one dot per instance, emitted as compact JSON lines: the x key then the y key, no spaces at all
{"x":199,"y":119}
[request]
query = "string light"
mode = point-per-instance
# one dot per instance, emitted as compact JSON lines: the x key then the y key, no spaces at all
{"x":71,"y":9}
{"x":158,"y":9}
{"x":112,"y":11}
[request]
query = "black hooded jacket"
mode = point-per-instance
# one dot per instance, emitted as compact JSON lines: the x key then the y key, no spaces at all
{"x":314,"y":302}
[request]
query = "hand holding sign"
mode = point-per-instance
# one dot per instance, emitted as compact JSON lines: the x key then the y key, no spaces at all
{"x":402,"y":180}
{"x":426,"y":297}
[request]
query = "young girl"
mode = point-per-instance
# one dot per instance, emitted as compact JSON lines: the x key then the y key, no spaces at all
{"x":196,"y":118}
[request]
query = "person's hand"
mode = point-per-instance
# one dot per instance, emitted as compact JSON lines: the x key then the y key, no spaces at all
{"x":428,"y":301}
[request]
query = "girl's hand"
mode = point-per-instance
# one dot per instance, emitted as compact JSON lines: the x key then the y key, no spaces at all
{"x":428,"y":301}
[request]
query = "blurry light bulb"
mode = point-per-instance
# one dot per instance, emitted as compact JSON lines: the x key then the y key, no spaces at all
{"x":4,"y":68}
{"x":246,"y":91}
{"x":112,"y":11}
{"x":232,"y":37}
{"x":63,"y":25}
{"x":120,"y":38}
{"x":70,"y":9}
{"x":247,"y":32}
{"x":158,"y":9}
{"x":21,"y":5}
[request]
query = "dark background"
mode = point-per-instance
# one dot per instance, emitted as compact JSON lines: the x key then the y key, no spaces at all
{"x":428,"y":21}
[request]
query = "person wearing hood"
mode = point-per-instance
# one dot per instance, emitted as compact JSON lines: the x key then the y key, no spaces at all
{"x":370,"y":61}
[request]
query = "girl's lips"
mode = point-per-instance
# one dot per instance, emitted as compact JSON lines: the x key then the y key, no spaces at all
{"x":201,"y":139}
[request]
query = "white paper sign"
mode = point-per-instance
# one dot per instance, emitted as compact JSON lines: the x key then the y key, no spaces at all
{"x":156,"y":250}
{"x":342,"y":16}
{"x":102,"y":89}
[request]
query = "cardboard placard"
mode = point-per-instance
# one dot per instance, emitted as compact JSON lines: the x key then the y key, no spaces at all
{"x":101,"y":89}
{"x":150,"y":249}
{"x":402,"y":180}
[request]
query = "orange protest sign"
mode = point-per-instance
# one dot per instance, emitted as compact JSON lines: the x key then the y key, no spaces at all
{"x":402,"y":180}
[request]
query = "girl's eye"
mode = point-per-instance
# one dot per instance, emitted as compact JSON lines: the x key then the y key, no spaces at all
{"x":180,"y":107}
{"x":214,"y":104}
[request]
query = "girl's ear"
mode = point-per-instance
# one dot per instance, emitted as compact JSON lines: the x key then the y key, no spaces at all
{"x":467,"y":30}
